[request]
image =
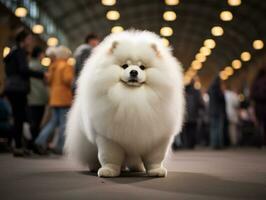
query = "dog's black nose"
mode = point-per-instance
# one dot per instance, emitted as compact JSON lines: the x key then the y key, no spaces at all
{"x":133,"y":73}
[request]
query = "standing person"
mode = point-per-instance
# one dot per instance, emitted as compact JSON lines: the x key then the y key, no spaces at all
{"x":50,"y":52}
{"x":232,"y":106}
{"x":59,"y":77}
{"x":194,"y":103}
{"x":84,"y":51}
{"x":217,"y":114}
{"x":258,"y":97}
{"x":204,"y":128}
{"x":17,"y":84}
{"x":38,"y":96}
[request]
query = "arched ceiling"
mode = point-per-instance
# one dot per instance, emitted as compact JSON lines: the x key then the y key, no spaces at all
{"x":195,"y":18}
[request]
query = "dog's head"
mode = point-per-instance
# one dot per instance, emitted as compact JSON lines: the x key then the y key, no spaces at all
{"x":133,"y":59}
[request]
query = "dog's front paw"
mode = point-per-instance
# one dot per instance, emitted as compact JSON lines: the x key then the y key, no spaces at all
{"x":157,"y":172}
{"x":108,"y":172}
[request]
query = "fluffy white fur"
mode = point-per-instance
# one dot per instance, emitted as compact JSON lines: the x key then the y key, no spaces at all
{"x":116,"y":122}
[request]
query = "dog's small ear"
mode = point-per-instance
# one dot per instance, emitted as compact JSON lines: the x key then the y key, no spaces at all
{"x":114,"y":45}
{"x":155,"y":49}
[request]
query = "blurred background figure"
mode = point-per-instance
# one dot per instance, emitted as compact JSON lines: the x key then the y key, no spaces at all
{"x":258,"y":96}
{"x":194,"y":103}
{"x":17,"y":85}
{"x":84,"y":51}
{"x":217,"y":113}
{"x":38,"y":96}
{"x":232,"y":113}
{"x":5,"y":123}
{"x":60,"y":77}
{"x":204,"y":126}
{"x":51,"y":53}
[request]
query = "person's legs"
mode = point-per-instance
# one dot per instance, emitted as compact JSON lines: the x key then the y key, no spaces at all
{"x":177,"y":142}
{"x":233,"y":133}
{"x":213,"y":131}
{"x":36,"y":115}
{"x":191,"y":130}
{"x":220,"y":132}
{"x":18,"y":104}
{"x":184,"y":136}
{"x":225,"y":135}
{"x":48,"y":129}
{"x":217,"y":132}
{"x":62,"y":123}
{"x":205,"y":133}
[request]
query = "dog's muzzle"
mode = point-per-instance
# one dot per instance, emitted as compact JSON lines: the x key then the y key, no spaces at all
{"x":133,"y":74}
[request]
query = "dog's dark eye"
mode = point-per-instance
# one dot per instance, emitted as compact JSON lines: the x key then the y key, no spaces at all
{"x":142,"y":67}
{"x":125,"y":66}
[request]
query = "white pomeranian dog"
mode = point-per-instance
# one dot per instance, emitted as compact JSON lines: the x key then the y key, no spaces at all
{"x":129,"y":105}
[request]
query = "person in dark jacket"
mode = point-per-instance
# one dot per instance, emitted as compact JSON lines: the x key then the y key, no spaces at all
{"x":258,"y":97}
{"x":38,"y":96}
{"x":217,"y":112}
{"x":194,"y":103}
{"x":17,"y":84}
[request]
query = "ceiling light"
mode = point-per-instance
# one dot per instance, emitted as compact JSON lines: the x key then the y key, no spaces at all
{"x":217,"y":31}
{"x":166,"y":31}
{"x":245,"y":56}
{"x":165,"y":42}
{"x":205,"y":51}
{"x":112,"y":15}
{"x":229,"y":71}
{"x":226,"y":16}
{"x":21,"y":12}
{"x":236,"y":64}
{"x":52,"y":41}
{"x":258,"y":44}
{"x":197,"y":85}
{"x":108,"y":2}
{"x":6,"y":51}
{"x":169,"y":15}
{"x":200,"y":57}
{"x":46,"y":61}
{"x":223,"y":75}
{"x":71,"y":61}
{"x":117,"y":29}
{"x":234,"y":2}
{"x":209,"y":43}
{"x":196,"y":65}
{"x":191,"y":72}
{"x":187,"y":80}
{"x":37,"y":29}
{"x":171,"y":2}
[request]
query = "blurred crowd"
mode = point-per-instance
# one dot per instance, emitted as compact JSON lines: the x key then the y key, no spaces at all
{"x":35,"y":101}
{"x":223,"y":116}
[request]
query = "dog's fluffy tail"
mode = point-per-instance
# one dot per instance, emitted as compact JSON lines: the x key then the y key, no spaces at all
{"x":77,"y":145}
